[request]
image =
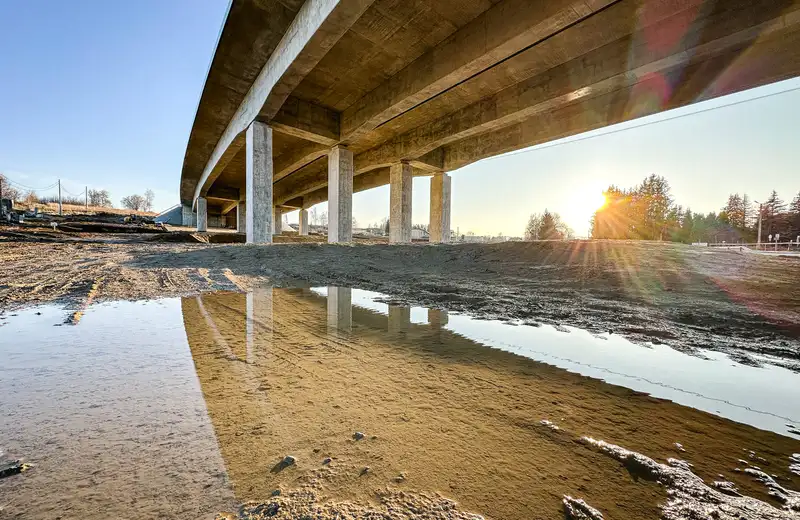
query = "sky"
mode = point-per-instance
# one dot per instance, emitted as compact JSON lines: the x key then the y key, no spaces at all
{"x":103,"y":94}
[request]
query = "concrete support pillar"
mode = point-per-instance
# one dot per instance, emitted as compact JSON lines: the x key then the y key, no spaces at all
{"x":400,"y":203}
{"x":303,"y":229}
{"x":241,"y":217}
{"x":187,"y":216}
{"x":340,"y":309}
{"x":258,"y":180}
{"x":437,"y":318}
{"x":258,"y":324}
{"x":399,"y":318}
{"x":440,"y":208}
{"x":202,"y":214}
{"x":340,"y":195}
{"x":277,"y":220}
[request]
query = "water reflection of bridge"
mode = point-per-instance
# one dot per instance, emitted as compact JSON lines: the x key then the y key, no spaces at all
{"x":295,"y":372}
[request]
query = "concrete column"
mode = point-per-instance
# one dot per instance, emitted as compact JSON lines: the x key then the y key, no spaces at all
{"x":202,"y":214}
{"x":258,"y":180}
{"x":303,"y":230}
{"x":241,"y":217}
{"x":340,"y":195}
{"x":399,"y":318}
{"x":440,"y":208}
{"x":340,"y":308}
{"x":437,"y":318}
{"x":258,"y":324}
{"x":400,"y":203}
{"x":277,"y":220}
{"x":187,"y":216}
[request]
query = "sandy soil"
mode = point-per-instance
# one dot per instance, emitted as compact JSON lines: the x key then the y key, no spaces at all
{"x":686,"y":297}
{"x":444,"y":416}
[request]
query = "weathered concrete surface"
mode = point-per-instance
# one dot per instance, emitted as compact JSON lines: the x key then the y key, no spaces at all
{"x":303,"y":222}
{"x":439,"y":228}
{"x":241,"y":217}
{"x":340,"y":195}
{"x":443,"y":83}
{"x":258,"y":202}
{"x":400,"y":203}
{"x":202,"y":214}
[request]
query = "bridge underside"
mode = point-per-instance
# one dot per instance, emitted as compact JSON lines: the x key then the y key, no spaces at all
{"x":310,"y":101}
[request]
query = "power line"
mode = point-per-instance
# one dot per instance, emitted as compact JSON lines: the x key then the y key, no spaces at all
{"x":20,"y":185}
{"x":641,"y":125}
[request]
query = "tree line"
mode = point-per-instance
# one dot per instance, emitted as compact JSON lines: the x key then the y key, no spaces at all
{"x":96,"y":198}
{"x":649,"y":212}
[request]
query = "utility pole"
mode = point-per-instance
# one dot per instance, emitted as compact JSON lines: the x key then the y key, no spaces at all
{"x":758,"y":241}
{"x":86,"y":197}
{"x":59,"y":197}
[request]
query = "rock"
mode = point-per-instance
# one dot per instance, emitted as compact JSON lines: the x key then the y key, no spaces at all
{"x":288,"y":460}
{"x":364,"y":471}
{"x":326,"y":461}
{"x":276,"y":492}
{"x":12,"y":467}
{"x":577,"y":509}
{"x":358,"y":436}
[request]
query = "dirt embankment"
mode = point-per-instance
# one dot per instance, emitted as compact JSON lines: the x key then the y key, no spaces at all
{"x":686,"y":297}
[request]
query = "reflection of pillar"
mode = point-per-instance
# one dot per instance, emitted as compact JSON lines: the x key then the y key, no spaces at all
{"x":437,"y":318}
{"x":340,"y":195}
{"x":399,"y":318}
{"x":340,"y":309}
{"x":202,"y":214}
{"x":400,"y":203}
{"x":303,"y":227}
{"x":258,"y":322}
{"x":440,"y":208}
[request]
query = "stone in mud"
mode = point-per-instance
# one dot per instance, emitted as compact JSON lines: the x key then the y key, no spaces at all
{"x":288,"y":460}
{"x":729,"y":488}
{"x":549,"y":424}
{"x":794,"y":464}
{"x":577,"y":509}
{"x":12,"y":467}
{"x":364,"y":471}
{"x":679,"y":446}
{"x":358,"y":436}
{"x":326,"y":461}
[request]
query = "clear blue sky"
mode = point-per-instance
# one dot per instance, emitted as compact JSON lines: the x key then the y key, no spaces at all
{"x":103,"y":93}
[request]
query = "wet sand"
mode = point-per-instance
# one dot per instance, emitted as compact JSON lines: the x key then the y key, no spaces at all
{"x":440,"y":414}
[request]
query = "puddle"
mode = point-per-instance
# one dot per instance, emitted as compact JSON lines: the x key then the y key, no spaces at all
{"x":766,"y":397}
{"x":182,"y":408}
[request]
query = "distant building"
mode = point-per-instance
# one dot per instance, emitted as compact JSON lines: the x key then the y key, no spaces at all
{"x":419,"y":234}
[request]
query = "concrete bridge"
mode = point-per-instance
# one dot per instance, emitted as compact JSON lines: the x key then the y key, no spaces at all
{"x":311,"y":100}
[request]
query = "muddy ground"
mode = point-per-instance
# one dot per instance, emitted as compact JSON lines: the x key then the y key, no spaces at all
{"x":687,"y":297}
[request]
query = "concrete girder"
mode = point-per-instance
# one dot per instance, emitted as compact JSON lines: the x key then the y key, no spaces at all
{"x":317,"y":26}
{"x":314,"y":175}
{"x":223,"y":193}
{"x":503,"y":30}
{"x":604,"y":69}
{"x":290,"y":162}
{"x":308,"y":121}
{"x":697,"y":80}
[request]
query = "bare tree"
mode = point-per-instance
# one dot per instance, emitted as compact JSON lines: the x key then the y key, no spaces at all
{"x":133,"y":202}
{"x":8,"y":191}
{"x":100,"y":198}
{"x":149,"y":196}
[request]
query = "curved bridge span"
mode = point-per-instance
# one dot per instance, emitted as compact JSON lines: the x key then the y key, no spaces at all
{"x":310,"y":101}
